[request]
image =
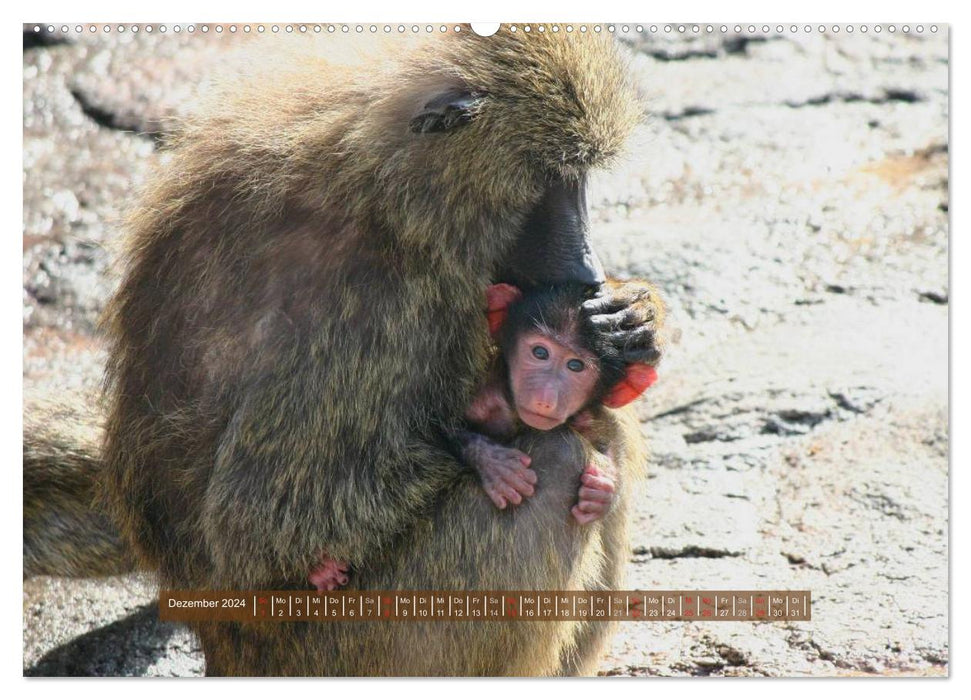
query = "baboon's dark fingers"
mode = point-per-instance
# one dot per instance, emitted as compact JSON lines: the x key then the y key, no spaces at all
{"x":637,"y":345}
{"x":446,"y":111}
{"x":625,"y":318}
{"x":604,"y":303}
{"x":650,"y":355}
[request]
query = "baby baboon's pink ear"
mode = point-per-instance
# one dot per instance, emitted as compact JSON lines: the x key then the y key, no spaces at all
{"x":635,"y":382}
{"x":498,"y":299}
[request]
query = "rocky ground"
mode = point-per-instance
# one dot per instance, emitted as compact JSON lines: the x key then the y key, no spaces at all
{"x":790,"y":196}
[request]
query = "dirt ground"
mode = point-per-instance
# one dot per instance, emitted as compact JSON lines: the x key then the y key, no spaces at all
{"x":789,"y":195}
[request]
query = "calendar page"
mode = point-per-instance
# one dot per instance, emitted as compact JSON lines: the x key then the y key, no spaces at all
{"x":522,"y":349}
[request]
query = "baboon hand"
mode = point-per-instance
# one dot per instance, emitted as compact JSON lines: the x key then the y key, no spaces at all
{"x":329,"y":574}
{"x":506,"y":476}
{"x":596,"y":496}
{"x":630,"y":314}
{"x":505,"y":473}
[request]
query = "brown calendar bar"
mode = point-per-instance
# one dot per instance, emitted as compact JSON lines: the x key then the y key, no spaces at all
{"x":484,"y":606}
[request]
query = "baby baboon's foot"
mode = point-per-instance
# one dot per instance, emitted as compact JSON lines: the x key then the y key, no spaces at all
{"x":329,"y":574}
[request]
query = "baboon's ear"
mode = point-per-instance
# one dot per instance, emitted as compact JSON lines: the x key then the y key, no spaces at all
{"x":635,"y":382}
{"x":445,"y":111}
{"x":498,"y":299}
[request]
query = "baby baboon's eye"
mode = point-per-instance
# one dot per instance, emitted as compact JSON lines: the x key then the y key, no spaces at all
{"x":541,"y":353}
{"x":575,"y":365}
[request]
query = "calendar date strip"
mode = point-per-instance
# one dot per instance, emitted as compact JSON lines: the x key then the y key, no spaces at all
{"x":484,"y":606}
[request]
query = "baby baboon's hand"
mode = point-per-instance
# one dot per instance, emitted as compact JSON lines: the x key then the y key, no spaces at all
{"x":329,"y":574}
{"x":630,"y":314}
{"x":505,"y":473}
{"x":596,"y":496}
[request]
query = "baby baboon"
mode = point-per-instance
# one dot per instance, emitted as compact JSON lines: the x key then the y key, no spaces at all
{"x":552,"y":366}
{"x":298,"y":333}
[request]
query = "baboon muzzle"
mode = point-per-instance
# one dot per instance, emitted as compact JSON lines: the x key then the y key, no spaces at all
{"x":554,"y":245}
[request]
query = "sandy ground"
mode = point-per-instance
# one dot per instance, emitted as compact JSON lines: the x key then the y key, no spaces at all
{"x":789,"y":195}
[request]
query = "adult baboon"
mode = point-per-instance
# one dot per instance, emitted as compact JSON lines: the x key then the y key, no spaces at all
{"x":301,"y":325}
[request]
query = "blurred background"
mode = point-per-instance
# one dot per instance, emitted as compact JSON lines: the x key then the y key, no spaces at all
{"x":789,"y":195}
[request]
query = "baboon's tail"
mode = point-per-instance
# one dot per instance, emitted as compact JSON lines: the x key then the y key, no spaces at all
{"x":65,"y":531}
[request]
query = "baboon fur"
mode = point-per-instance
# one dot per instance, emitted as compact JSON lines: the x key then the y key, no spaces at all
{"x":66,"y":533}
{"x":300,"y":322}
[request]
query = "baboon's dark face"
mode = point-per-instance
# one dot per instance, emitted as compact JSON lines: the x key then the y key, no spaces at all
{"x":528,"y":118}
{"x":554,"y":245}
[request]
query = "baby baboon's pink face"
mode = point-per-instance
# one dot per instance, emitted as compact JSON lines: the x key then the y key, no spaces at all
{"x":550,"y":381}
